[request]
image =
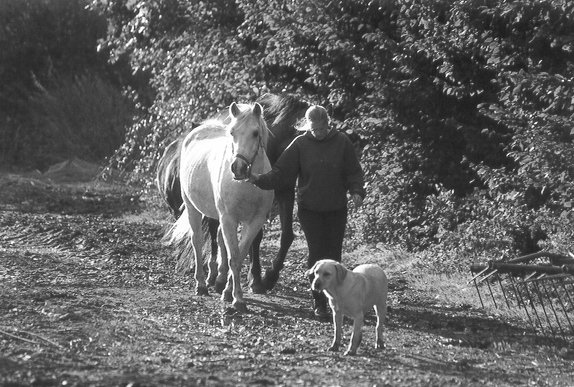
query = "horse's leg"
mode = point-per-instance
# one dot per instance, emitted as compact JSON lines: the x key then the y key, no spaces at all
{"x":235,"y":259}
{"x":255,"y":271}
{"x":285,"y":201}
{"x":195,"y":218}
{"x":212,"y":226}
{"x":222,"y":268}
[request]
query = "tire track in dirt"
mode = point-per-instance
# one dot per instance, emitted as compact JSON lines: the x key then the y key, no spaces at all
{"x":22,"y":232}
{"x":52,"y":243}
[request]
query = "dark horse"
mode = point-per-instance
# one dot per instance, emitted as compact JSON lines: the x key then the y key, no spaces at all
{"x":281,"y":115}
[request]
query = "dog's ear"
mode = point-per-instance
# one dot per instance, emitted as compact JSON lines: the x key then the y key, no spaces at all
{"x":311,"y":271}
{"x":341,"y":273}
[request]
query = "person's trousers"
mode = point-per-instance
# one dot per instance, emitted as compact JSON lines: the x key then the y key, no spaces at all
{"x":324,"y":232}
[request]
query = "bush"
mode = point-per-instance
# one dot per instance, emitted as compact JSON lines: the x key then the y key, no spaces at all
{"x":465,"y":105}
{"x":48,"y":47}
{"x":82,"y":117}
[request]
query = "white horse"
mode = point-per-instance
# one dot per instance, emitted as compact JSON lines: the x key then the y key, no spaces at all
{"x":216,"y":160}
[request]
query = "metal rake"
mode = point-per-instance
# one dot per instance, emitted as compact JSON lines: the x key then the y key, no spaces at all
{"x":540,"y":284}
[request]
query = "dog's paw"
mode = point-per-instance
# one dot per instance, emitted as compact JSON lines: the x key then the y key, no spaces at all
{"x":257,"y":288}
{"x":227,"y":297}
{"x":219,"y":287}
{"x":333,"y":348}
{"x":201,"y":291}
{"x":270,"y":279}
{"x":241,"y":307}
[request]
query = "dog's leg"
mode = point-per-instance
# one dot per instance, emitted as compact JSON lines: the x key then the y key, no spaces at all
{"x":356,"y":336}
{"x":338,"y":328}
{"x":381,"y":312}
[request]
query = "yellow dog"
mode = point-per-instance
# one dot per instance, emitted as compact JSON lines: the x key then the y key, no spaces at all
{"x":352,"y":293}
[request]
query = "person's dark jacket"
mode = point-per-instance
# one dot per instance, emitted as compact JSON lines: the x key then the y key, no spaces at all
{"x":326,"y":168}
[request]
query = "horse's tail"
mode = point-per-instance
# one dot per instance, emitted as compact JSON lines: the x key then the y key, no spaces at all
{"x":179,"y":236}
{"x":167,"y":177}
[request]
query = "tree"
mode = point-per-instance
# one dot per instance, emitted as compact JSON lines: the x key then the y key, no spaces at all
{"x":465,"y":105}
{"x":48,"y":63}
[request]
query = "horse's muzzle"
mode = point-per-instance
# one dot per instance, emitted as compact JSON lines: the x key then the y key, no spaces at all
{"x":240,"y":169}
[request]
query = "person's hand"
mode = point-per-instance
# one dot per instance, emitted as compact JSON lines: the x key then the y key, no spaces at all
{"x":253,"y":178}
{"x":357,"y":200}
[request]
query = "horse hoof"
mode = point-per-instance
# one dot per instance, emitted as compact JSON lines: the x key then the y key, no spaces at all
{"x":270,"y":279}
{"x":258,"y":288}
{"x":227,"y":296}
{"x":241,"y":307}
{"x":219,"y":286}
{"x":202,"y":291}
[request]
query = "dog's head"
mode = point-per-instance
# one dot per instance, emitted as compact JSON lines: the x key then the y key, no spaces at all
{"x":327,"y":273}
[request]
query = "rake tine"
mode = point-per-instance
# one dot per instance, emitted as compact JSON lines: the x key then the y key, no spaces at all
{"x":520,"y":301}
{"x":476,"y":284}
{"x":560,"y":279}
{"x":525,"y":284}
{"x":563,"y":307}
{"x":503,"y":292}
{"x":478,"y":292}
{"x":484,"y":279}
{"x":547,"y":288}
{"x":490,"y":289}
{"x":517,"y":294}
{"x":493,"y":272}
{"x":479,"y":274}
{"x":543,"y":280}
{"x":535,"y":285}
{"x":567,"y":293}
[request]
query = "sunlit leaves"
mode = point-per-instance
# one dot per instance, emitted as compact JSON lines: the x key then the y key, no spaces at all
{"x":466,"y":101}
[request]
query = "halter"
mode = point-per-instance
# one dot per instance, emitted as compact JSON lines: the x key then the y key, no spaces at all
{"x":252,"y":160}
{"x":235,"y":113}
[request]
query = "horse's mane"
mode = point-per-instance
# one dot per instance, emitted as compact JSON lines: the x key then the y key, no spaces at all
{"x":208,"y":129}
{"x":282,"y":108}
{"x":280,"y":111}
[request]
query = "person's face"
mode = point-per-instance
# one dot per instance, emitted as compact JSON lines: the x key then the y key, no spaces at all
{"x":320,"y":132}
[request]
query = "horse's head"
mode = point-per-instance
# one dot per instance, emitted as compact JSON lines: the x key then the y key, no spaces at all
{"x":249,"y":133}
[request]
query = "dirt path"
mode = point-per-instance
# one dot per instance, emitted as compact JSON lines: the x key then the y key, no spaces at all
{"x":89,"y":298}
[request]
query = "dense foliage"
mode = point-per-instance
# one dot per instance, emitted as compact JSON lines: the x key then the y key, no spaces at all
{"x":59,"y":96}
{"x":466,"y":106}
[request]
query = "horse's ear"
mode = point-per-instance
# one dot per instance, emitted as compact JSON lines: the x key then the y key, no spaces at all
{"x":257,"y":110}
{"x":234,"y":110}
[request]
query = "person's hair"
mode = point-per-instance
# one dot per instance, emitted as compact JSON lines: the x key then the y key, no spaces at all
{"x":315,"y":116}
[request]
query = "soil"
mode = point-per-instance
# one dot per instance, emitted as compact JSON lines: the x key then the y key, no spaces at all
{"x":89,"y":297}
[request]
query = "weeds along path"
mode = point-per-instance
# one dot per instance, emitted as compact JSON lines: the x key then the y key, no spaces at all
{"x":89,"y":297}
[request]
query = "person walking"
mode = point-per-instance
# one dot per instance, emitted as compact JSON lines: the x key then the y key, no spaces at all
{"x":325,"y":162}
